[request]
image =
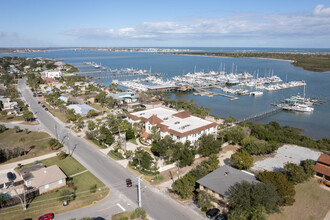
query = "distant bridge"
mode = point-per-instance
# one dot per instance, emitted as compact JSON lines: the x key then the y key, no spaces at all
{"x":260,"y":115}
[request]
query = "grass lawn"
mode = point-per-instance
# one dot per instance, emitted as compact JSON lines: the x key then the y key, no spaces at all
{"x":98,"y":107}
{"x":34,"y":142}
{"x":122,"y":215}
{"x":56,"y":112}
{"x":133,"y":141}
{"x":312,"y":202}
{"x":11,"y":118}
{"x":49,"y":202}
{"x":69,"y":165}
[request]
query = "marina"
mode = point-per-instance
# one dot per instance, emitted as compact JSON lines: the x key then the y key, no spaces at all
{"x":316,"y":124}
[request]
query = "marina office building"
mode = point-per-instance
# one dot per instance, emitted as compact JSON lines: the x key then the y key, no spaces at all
{"x":181,"y":126}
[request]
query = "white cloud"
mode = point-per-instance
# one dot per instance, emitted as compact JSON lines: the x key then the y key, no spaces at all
{"x":313,"y":24}
{"x":320,"y":10}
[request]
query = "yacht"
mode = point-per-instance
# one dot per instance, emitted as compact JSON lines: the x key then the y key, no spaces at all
{"x":256,"y":93}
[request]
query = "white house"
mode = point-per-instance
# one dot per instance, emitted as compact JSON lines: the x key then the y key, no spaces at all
{"x":51,"y":74}
{"x":181,"y":126}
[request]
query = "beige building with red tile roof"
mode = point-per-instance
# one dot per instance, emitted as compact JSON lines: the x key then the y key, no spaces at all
{"x":181,"y":126}
{"x":322,"y":169}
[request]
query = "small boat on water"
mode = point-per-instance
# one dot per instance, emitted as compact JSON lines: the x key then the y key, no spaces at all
{"x":256,"y":93}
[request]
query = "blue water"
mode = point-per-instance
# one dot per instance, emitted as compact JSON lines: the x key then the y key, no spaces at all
{"x":315,"y":125}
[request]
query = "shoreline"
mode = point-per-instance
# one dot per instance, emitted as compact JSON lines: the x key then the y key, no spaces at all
{"x":264,"y":58}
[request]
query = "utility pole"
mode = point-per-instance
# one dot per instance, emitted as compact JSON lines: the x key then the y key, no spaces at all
{"x":139,"y":191}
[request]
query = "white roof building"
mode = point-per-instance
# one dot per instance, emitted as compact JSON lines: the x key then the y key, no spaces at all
{"x":81,"y":109}
{"x":181,"y":126}
{"x":51,"y":74}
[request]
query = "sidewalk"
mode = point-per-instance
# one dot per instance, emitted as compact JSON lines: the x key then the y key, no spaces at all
{"x":27,"y":161}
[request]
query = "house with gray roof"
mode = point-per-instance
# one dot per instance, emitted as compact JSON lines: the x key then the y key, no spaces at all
{"x":218,"y":182}
{"x":125,"y":97}
{"x":81,"y":109}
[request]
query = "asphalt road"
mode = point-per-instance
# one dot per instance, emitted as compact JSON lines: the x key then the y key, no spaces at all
{"x":158,"y":205}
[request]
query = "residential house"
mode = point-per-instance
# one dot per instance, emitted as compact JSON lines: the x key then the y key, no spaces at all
{"x":43,"y":178}
{"x":7,"y":104}
{"x":125,"y":97}
{"x":322,"y":169}
{"x":81,"y":109}
{"x":181,"y":126}
{"x":219,"y":182}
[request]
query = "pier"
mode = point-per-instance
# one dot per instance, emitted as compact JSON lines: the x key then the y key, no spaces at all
{"x":201,"y":91}
{"x":260,"y":115}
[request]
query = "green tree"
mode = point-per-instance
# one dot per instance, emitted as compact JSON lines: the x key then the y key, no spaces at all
{"x":2,"y":128}
{"x":71,"y":115}
{"x":295,"y":173}
{"x":284,"y":188}
{"x":91,"y":113}
{"x":129,"y":134}
{"x":91,"y":125}
{"x":184,"y":186}
{"x":209,"y":145}
{"x":186,"y":157}
{"x":212,"y":163}
{"x":308,"y":166}
{"x":242,"y":160}
{"x":204,"y":200}
{"x":234,"y":134}
{"x":142,"y":158}
{"x":27,"y":115}
{"x":246,"y":199}
{"x":139,"y":213}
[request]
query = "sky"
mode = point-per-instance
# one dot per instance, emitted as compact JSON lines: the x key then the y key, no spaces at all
{"x":155,"y":23}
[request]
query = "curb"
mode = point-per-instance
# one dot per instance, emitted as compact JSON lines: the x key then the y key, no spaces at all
{"x":98,"y":200}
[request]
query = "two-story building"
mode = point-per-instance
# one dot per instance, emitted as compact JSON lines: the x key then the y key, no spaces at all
{"x":51,"y":74}
{"x":181,"y":126}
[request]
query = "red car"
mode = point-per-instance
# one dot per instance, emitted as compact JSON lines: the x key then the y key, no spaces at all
{"x":47,"y":216}
{"x":128,"y":182}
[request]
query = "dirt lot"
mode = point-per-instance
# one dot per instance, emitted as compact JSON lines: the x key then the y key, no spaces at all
{"x":285,"y":154}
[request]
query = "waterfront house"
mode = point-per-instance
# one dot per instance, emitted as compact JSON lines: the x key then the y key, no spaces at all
{"x":322,"y":169}
{"x":125,"y":97}
{"x":218,"y":182}
{"x":181,"y":126}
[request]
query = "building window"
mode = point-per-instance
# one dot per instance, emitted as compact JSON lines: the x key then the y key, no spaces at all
{"x":28,"y":182}
{"x":60,"y":181}
{"x":177,"y":137}
{"x":46,"y":186}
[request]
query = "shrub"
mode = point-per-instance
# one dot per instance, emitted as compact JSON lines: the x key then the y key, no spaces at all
{"x":2,"y":128}
{"x":139,"y":213}
{"x":61,"y":155}
{"x":93,"y":188}
{"x":242,"y":160}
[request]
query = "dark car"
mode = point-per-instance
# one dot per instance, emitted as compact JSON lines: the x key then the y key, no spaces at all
{"x":11,"y":176}
{"x":39,"y":102}
{"x":128,"y":182}
{"x":221,"y":217}
{"x":212,"y":213}
{"x":47,"y":216}
{"x":43,"y":106}
{"x":46,"y":109}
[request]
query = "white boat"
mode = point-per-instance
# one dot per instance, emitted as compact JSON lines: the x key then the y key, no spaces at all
{"x":297,"y":107}
{"x":256,"y":93}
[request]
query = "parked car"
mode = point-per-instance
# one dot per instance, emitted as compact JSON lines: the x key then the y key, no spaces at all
{"x":39,"y":102}
{"x":46,"y":109}
{"x":212,"y":213}
{"x":47,"y":216}
{"x":128,"y":182}
{"x":11,"y":176}
{"x":221,"y":217}
{"x":43,"y":105}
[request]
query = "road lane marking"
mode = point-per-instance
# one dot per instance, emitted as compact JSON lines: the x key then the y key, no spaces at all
{"x":122,"y":208}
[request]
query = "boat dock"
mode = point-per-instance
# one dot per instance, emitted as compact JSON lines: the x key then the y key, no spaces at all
{"x":202,"y":92}
{"x":260,"y":115}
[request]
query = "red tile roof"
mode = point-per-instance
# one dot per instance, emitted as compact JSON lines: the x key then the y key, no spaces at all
{"x":325,"y":159}
{"x":321,"y":168}
{"x":49,"y":79}
{"x":154,"y":120}
{"x":183,"y":114}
